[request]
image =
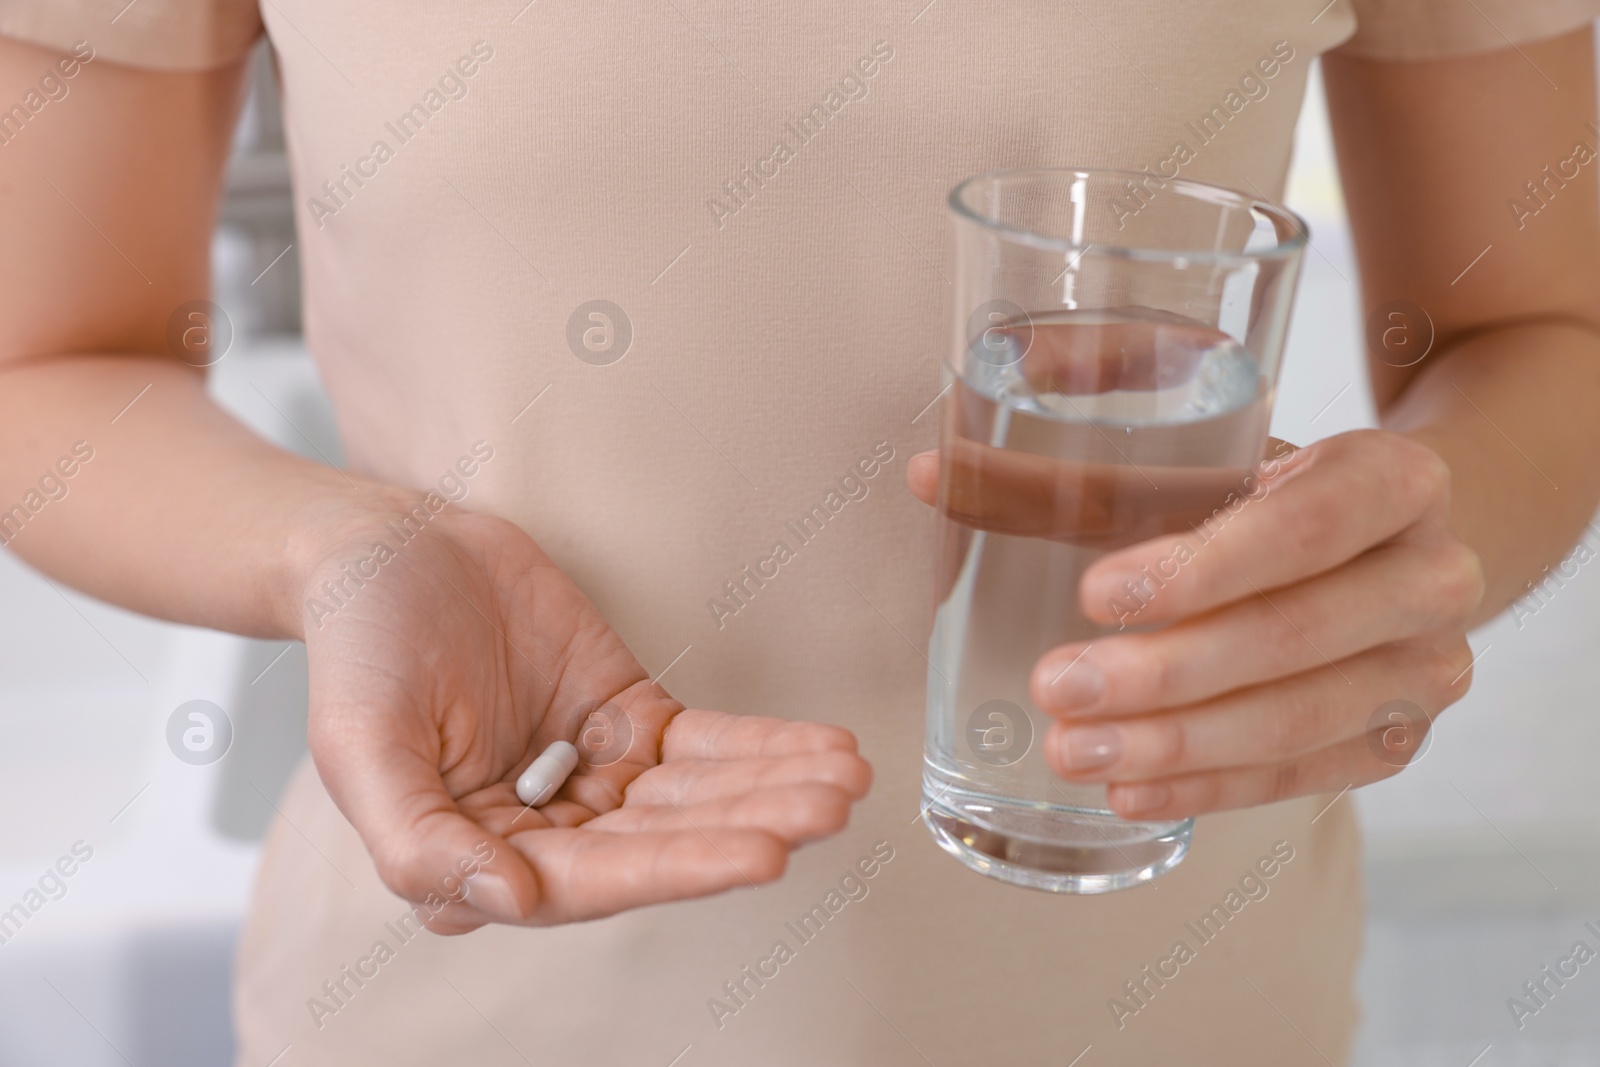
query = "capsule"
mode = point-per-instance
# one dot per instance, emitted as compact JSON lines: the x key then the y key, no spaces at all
{"x":546,"y":774}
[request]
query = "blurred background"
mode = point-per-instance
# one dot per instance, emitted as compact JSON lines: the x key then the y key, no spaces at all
{"x":1483,"y":858}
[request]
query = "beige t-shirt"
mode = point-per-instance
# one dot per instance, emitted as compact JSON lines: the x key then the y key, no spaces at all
{"x":468,"y":178}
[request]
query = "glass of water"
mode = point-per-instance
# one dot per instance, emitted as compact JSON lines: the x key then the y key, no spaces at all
{"x":1110,"y":378}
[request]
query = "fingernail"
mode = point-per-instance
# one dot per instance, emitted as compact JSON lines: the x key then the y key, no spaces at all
{"x":1075,"y":687}
{"x":1147,"y":797}
{"x":1087,"y":748}
{"x":492,"y":894}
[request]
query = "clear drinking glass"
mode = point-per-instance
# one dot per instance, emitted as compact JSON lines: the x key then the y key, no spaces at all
{"x":1116,"y":345}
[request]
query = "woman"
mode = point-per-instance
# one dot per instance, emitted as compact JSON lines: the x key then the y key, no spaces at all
{"x":660,"y":278}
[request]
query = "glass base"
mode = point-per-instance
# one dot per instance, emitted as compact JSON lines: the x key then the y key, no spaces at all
{"x":1054,"y":849}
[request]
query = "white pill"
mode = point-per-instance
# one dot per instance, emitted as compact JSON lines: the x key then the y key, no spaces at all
{"x":545,"y":774}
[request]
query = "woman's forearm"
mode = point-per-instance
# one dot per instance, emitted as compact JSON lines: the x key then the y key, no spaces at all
{"x":1515,"y":412}
{"x":120,"y":477}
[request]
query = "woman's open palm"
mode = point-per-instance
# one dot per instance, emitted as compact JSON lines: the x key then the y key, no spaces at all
{"x":442,"y":665}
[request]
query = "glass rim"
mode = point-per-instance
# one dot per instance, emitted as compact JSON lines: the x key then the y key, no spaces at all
{"x":1208,"y":191}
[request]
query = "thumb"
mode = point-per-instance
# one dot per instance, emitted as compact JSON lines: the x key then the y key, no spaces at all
{"x":1278,"y":448}
{"x":922,"y":476}
{"x":388,"y":785}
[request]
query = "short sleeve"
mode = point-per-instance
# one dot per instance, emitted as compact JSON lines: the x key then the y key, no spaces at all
{"x":1437,"y":29}
{"x":157,"y":34}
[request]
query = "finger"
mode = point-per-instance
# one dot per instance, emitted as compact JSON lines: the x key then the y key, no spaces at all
{"x":685,"y":781}
{"x":1080,"y":358}
{"x":698,"y":734}
{"x":453,"y":919}
{"x":498,"y":809}
{"x":793,"y":813}
{"x":452,"y":928}
{"x":1368,"y":486}
{"x":1343,"y":766}
{"x":1278,"y":449}
{"x":589,"y":874}
{"x":383,"y":777}
{"x":1394,"y":592}
{"x":922,"y":473}
{"x":591,"y":789}
{"x":446,"y":916}
{"x":1094,"y":505}
{"x":616,"y":740}
{"x":922,"y":476}
{"x":1267,"y":724}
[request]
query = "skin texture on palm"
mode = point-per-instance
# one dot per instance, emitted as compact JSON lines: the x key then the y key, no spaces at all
{"x":438,"y":680}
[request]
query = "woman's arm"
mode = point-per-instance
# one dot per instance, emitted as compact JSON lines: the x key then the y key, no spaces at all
{"x":107,"y":202}
{"x":1334,"y":609}
{"x":449,"y":663}
{"x":1433,"y":156}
